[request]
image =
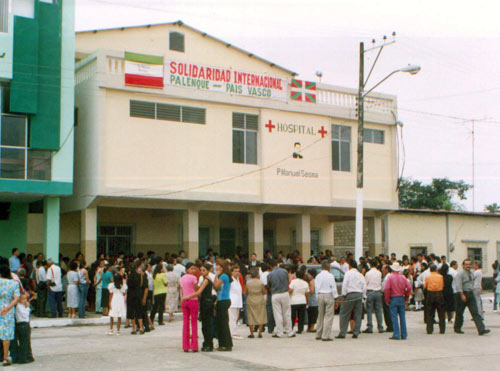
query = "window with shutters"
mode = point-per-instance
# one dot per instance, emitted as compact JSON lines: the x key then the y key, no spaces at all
{"x":373,"y":136}
{"x":176,"y":41}
{"x":341,"y":147}
{"x":167,"y":112}
{"x":245,"y":129}
{"x":142,"y":109}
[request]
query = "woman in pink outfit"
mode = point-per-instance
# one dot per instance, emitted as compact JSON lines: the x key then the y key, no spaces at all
{"x":189,"y":284}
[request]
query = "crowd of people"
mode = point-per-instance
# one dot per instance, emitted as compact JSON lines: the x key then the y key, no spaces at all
{"x":279,"y":294}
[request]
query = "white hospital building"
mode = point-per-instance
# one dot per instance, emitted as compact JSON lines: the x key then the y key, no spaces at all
{"x":184,"y":141}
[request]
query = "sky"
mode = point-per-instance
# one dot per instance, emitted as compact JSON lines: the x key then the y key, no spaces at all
{"x":457,"y":44}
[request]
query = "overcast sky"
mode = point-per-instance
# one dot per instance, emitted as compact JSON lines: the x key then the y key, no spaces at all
{"x":457,"y":44}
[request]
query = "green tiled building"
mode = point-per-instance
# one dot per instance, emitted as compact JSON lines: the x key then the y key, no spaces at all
{"x":37,"y":117}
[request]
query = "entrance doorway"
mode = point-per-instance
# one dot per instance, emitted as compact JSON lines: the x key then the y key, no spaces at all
{"x":113,"y":240}
{"x":227,"y":242}
{"x":269,"y":242}
{"x":204,"y":241}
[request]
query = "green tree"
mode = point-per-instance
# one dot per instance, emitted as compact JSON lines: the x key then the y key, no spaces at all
{"x":492,"y":208}
{"x":438,"y":195}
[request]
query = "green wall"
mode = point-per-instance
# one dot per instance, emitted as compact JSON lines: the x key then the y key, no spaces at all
{"x":36,"y":82}
{"x":24,"y":85}
{"x":13,"y":231}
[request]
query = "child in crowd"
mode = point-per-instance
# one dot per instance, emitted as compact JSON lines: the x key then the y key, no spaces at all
{"x":21,"y":346}
{"x":117,"y":308}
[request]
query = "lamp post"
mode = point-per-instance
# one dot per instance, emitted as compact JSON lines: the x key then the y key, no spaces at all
{"x":358,"y":243}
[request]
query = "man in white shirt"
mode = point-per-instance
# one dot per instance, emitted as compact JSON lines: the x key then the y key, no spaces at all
{"x":326,"y":291}
{"x":353,"y":292}
{"x":453,"y":271}
{"x":179,"y":268}
{"x":41,"y":288}
{"x":344,"y":265}
{"x":54,"y":280}
{"x":478,"y":287}
{"x":335,"y":264}
{"x":374,"y":299}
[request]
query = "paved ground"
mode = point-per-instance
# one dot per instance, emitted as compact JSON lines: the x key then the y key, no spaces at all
{"x":89,"y":348}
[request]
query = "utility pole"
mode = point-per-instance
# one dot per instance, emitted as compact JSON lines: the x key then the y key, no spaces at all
{"x":473,"y":169}
{"x":412,"y":69}
{"x":358,"y":237}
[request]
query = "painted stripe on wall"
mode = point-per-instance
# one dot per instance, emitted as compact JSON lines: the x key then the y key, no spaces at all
{"x":143,"y":58}
{"x":134,"y":68}
{"x":139,"y":80}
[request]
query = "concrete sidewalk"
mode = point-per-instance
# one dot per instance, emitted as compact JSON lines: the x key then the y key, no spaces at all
{"x":92,"y":319}
{"x":88,"y":347}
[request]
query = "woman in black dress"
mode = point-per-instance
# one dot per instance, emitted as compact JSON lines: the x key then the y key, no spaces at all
{"x":135,"y":305}
{"x":449,"y":298}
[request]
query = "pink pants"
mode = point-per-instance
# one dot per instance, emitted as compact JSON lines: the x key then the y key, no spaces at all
{"x":190,"y":314}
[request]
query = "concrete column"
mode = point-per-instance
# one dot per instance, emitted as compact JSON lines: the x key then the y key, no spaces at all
{"x":375,"y":236}
{"x":303,"y":236}
{"x":88,"y":234}
{"x":327,"y":237}
{"x":190,"y":233}
{"x":51,"y":217}
{"x":256,"y":234}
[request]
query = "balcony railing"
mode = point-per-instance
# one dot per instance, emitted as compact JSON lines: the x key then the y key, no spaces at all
{"x":325,"y":94}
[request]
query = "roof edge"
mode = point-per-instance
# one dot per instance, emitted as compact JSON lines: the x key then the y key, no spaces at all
{"x":202,"y":33}
{"x":447,"y":212}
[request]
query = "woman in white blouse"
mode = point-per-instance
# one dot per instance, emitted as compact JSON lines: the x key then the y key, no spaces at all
{"x":299,"y":293}
{"x":236,"y":296}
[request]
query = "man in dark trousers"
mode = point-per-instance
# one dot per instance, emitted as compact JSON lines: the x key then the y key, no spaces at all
{"x":464,"y":285}
{"x":434,"y":300}
{"x":386,"y":270}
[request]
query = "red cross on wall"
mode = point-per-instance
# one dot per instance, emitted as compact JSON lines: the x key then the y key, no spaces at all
{"x":270,"y":126}
{"x":323,"y":132}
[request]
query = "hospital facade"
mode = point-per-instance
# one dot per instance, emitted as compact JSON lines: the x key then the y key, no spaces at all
{"x":184,"y":141}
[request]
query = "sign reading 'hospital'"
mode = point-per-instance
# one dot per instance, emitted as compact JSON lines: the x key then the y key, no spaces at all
{"x":223,"y":80}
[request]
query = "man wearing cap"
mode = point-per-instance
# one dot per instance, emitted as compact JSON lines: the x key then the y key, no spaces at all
{"x":397,"y":292}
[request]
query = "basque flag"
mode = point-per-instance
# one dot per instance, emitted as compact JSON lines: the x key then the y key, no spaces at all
{"x":304,"y":91}
{"x":143,"y":70}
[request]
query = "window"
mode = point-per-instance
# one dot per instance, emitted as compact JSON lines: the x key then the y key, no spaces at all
{"x":475,"y":254}
{"x":17,"y":161}
{"x":176,"y":41}
{"x":373,"y":136}
{"x":168,"y":112}
{"x":245,"y":138}
{"x":341,"y":148}
{"x":315,"y":242}
{"x":113,"y":240}
{"x":24,"y":8}
{"x":415,"y":250}
{"x":4,"y":16}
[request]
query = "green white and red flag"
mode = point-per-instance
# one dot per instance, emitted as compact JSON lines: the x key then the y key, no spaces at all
{"x":143,"y":70}
{"x":303,"y":91}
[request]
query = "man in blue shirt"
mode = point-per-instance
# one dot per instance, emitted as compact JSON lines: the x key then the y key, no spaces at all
{"x":277,"y":281}
{"x":14,"y":261}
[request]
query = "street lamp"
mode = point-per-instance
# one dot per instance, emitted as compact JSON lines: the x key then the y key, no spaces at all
{"x":411,"y":69}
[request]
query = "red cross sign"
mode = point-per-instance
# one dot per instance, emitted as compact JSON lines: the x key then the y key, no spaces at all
{"x":270,"y":126}
{"x":323,"y":132}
